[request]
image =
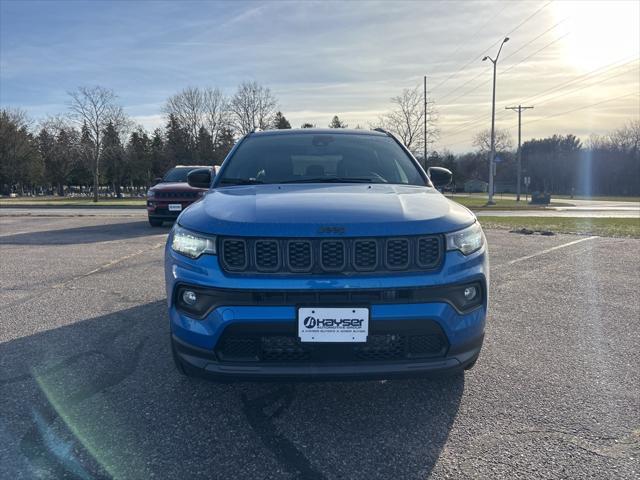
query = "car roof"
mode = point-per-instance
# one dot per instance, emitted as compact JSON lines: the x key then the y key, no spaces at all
{"x":316,"y":131}
{"x":193,"y":166}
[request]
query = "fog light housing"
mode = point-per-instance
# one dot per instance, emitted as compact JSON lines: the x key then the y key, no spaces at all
{"x":470,"y":293}
{"x":189,"y":297}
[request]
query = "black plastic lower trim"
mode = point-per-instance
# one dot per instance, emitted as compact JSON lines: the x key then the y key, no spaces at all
{"x":212,"y":298}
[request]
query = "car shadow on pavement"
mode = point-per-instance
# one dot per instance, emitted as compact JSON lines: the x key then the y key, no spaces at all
{"x":100,"y":398}
{"x":83,"y":235}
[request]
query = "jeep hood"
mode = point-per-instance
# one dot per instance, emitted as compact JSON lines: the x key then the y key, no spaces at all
{"x":309,"y":210}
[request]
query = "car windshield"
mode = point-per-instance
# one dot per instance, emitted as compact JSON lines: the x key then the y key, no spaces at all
{"x":320,"y":158}
{"x":178,"y":174}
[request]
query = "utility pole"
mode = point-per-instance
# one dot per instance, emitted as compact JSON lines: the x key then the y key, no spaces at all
{"x":492,"y":154}
{"x":425,"y":122}
{"x":519,"y":109}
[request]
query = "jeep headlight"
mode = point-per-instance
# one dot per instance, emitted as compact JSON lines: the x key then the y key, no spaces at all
{"x":467,"y":240}
{"x":192,"y":244}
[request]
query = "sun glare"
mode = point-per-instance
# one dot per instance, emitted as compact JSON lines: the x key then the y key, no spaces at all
{"x":600,"y":32}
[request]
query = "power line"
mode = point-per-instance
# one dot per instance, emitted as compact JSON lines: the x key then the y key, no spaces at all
{"x":508,"y":56}
{"x":585,"y":76}
{"x":535,"y":53}
{"x":582,"y":108}
{"x":475,"y":57}
{"x":471,"y":123}
{"x":503,"y":72}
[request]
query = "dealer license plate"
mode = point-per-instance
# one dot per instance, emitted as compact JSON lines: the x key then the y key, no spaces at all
{"x":175,"y":207}
{"x":333,"y":324}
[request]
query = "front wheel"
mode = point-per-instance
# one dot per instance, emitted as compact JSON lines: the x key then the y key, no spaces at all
{"x":154,"y":222}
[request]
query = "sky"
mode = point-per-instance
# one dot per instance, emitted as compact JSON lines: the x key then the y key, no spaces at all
{"x":576,"y":61}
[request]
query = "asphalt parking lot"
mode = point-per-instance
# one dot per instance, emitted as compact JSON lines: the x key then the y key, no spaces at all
{"x":88,"y":389}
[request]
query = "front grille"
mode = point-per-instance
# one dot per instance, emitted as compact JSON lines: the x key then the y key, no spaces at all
{"x":267,"y":255}
{"x":299,"y":255}
{"x":235,"y":256}
{"x":397,"y":253}
{"x":279,"y":343}
{"x":428,"y":252}
{"x":176,"y":195}
{"x":365,"y":255}
{"x":330,"y":256}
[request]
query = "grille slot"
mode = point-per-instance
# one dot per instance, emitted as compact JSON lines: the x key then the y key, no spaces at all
{"x":397,"y":253}
{"x":365,"y":255}
{"x":332,"y":255}
{"x":234,"y":254}
{"x":267,"y":255}
{"x":299,"y":255}
{"x":429,"y":249}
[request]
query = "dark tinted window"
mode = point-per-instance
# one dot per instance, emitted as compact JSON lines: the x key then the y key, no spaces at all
{"x":178,"y":174}
{"x":308,"y":158}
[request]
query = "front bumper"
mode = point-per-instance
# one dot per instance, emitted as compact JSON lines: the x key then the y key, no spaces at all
{"x":159,"y":209}
{"x":197,"y":343}
{"x":203,"y":363}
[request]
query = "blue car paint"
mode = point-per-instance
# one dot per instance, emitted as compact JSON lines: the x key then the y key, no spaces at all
{"x":297,"y":210}
{"x":206,"y":272}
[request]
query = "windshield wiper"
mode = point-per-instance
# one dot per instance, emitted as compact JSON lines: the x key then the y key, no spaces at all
{"x":330,"y":180}
{"x":239,"y":181}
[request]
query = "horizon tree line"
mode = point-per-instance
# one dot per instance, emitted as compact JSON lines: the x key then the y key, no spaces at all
{"x":96,"y":145}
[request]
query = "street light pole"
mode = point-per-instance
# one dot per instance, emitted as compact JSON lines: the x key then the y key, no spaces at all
{"x":493,"y":122}
{"x":425,"y":122}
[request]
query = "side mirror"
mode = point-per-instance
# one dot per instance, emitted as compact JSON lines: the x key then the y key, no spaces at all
{"x":440,"y":177}
{"x":157,"y":180}
{"x":199,"y":178}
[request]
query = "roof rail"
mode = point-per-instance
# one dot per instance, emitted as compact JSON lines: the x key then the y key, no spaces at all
{"x":382,"y":130}
{"x":256,"y":129}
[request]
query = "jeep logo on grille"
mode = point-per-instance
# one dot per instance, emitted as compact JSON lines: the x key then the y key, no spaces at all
{"x":331,"y":230}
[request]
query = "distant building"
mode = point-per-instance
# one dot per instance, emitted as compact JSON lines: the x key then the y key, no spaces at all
{"x":476,"y":186}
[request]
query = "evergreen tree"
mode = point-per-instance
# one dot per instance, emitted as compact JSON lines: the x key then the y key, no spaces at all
{"x":114,"y":158}
{"x":82,"y":173}
{"x":159,"y":162}
{"x":177,"y":146}
{"x":63,"y":160}
{"x":139,"y":158}
{"x":337,"y":123}
{"x":280,"y":122}
{"x":307,"y":125}
{"x":205,"y":147}
{"x":224,"y":144}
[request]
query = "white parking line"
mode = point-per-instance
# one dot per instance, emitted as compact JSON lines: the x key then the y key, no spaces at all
{"x":542,"y":252}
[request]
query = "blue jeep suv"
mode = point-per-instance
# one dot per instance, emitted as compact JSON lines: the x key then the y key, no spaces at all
{"x":325,"y":254}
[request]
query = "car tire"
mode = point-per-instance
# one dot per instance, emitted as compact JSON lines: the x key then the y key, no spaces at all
{"x":154,"y":222}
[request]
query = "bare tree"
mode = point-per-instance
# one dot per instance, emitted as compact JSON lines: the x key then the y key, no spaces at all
{"x":503,"y":141}
{"x":253,"y":106}
{"x":216,"y":114}
{"x":187,"y":107}
{"x":406,"y":119}
{"x":194,"y":108}
{"x":94,"y":107}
